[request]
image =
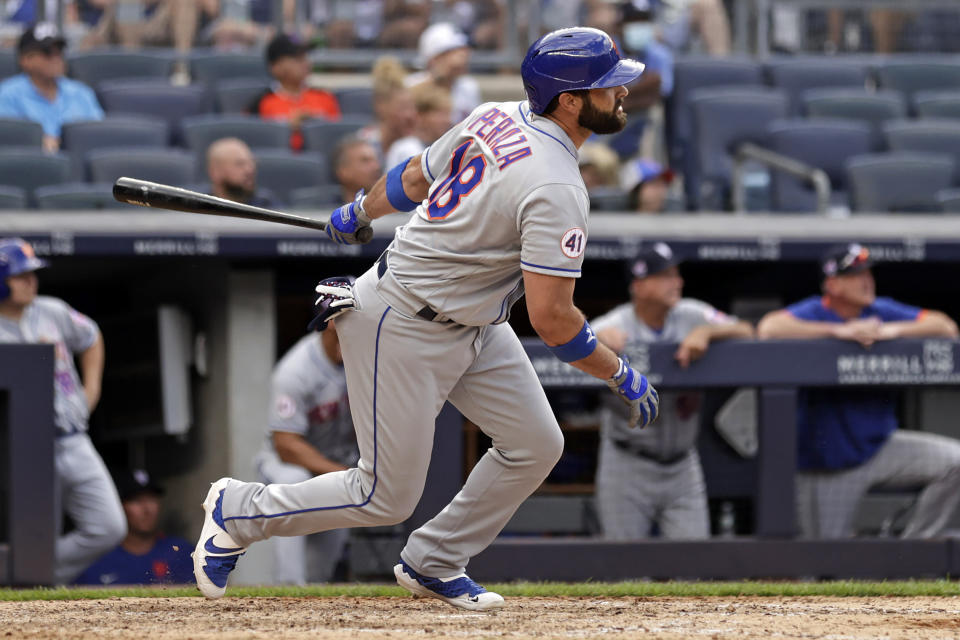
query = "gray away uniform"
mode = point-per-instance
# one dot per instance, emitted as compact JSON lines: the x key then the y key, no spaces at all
{"x":653,"y":475}
{"x":506,"y":196}
{"x":309,"y":398}
{"x":85,"y":488}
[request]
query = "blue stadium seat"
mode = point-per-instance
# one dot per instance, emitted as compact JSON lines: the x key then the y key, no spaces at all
{"x":937,"y":104}
{"x":323,"y":136}
{"x":169,"y":166}
{"x":898,"y":181}
{"x":78,"y":195}
{"x":798,"y":75}
{"x":609,"y":199}
{"x":690,"y":74}
{"x":949,"y":200}
{"x":12,"y":198}
{"x":15,"y":132}
{"x":355,"y":101}
{"x":29,"y":170}
{"x":873,"y":108}
{"x":159,"y":99}
{"x":94,"y":67}
{"x":200,"y":131}
{"x":911,"y":76}
{"x":321,"y":196}
{"x":934,"y":135}
{"x":722,"y":120}
{"x":79,"y":138}
{"x":284,"y":171}
{"x":210,"y":67}
{"x":8,"y":63}
{"x":237,"y":95}
{"x":822,"y":143}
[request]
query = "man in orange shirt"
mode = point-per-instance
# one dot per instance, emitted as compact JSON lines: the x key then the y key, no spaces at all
{"x":290,"y":98}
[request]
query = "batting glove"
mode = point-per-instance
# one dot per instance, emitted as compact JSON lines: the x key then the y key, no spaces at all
{"x":633,"y":388}
{"x":336,"y":297}
{"x":350,"y":224}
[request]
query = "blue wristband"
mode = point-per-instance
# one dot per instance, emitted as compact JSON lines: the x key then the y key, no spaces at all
{"x":579,"y":347}
{"x":395,"y":193}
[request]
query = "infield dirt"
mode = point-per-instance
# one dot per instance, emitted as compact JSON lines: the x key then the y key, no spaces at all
{"x":523,"y":617}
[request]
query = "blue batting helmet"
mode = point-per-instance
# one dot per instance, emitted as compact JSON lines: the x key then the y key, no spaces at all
{"x":16,"y":257}
{"x":572,"y":59}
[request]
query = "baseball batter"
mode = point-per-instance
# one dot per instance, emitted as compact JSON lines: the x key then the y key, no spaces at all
{"x":310,"y":433}
{"x":654,"y":476}
{"x":86,"y":490}
{"x":501,"y":211}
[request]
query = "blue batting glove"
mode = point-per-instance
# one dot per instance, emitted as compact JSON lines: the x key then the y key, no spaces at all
{"x":633,"y":388}
{"x":350,"y":224}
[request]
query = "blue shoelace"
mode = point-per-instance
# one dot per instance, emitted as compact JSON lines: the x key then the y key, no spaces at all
{"x":447,"y":589}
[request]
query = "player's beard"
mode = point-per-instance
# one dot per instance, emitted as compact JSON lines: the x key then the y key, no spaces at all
{"x":601,"y":122}
{"x":237,"y":192}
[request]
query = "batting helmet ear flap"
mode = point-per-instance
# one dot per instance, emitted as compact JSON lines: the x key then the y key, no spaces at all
{"x":16,"y":257}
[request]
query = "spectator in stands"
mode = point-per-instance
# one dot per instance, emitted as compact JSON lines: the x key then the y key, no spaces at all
{"x":87,"y":493}
{"x":848,"y":439}
{"x":653,"y":476}
{"x":290,"y":99}
{"x":433,"y":106}
{"x":403,"y":22}
{"x":648,"y":183}
{"x":885,"y":26}
{"x":137,"y":23}
{"x":599,"y":166}
{"x":445,"y":55}
{"x":146,"y":555}
{"x":707,"y":18}
{"x":232,"y":170}
{"x":483,"y":20}
{"x":393,"y":105}
{"x":41,"y":93}
{"x":309,"y":433}
{"x":356,"y":167}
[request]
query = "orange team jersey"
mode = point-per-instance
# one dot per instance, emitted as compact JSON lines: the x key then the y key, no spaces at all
{"x":279,"y":106}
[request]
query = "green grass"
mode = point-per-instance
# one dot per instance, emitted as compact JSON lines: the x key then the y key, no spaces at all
{"x":528,"y":589}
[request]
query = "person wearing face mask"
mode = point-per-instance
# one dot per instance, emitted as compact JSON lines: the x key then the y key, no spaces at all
{"x":847,"y":439}
{"x":653,"y":476}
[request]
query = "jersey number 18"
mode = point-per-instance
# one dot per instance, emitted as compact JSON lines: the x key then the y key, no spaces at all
{"x":462,"y":178}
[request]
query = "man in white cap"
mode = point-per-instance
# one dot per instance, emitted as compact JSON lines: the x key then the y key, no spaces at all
{"x":445,"y":54}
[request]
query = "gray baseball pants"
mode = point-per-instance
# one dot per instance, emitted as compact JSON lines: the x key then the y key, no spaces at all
{"x":87,"y":494}
{"x":827,"y":500}
{"x":400,"y":369}
{"x":300,"y":559}
{"x":633,"y":493}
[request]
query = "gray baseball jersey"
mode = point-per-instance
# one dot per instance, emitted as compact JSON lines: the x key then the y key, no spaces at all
{"x":309,"y":397}
{"x":675,"y":430}
{"x":52,"y":321}
{"x":528,"y":210}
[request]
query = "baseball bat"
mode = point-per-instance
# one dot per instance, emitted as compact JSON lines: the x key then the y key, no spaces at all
{"x":164,"y":196}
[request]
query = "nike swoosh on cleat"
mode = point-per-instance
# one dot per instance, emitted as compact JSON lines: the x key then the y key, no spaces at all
{"x":210,"y":547}
{"x":474,"y":598}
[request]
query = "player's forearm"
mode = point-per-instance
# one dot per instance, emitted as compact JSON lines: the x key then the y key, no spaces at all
{"x":730,"y":331}
{"x":415,"y":186}
{"x":933,"y":324}
{"x":560,"y":326}
{"x":781,"y":324}
{"x":296,"y":450}
{"x":91,"y":371}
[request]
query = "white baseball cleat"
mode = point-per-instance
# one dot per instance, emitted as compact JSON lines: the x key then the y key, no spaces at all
{"x":216,"y":553}
{"x":459,"y":591}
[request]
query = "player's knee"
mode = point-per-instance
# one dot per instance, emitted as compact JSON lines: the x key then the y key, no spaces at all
{"x":550,"y":447}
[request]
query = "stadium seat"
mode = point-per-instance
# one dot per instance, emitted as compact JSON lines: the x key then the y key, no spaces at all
{"x":79,"y":138}
{"x":29,"y":170}
{"x":237,"y":95}
{"x":283,"y":171}
{"x":796,"y":76}
{"x":316,"y":197}
{"x":690,"y":74}
{"x":15,"y":132}
{"x":200,"y":131}
{"x":322,"y":136}
{"x":8,"y":63}
{"x":723,"y":119}
{"x":355,"y":101}
{"x":874,"y":108}
{"x":823,"y":143}
{"x":210,"y":67}
{"x":152,"y":98}
{"x":78,"y":195}
{"x":169,"y":166}
{"x":937,"y":104}
{"x":898,"y":181}
{"x":94,"y":67}
{"x":609,"y":199}
{"x":949,"y":200}
{"x":12,"y":198}
{"x":934,"y":135}
{"x":909,"y":77}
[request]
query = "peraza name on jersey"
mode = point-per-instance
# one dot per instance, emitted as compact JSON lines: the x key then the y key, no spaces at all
{"x":502,"y":135}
